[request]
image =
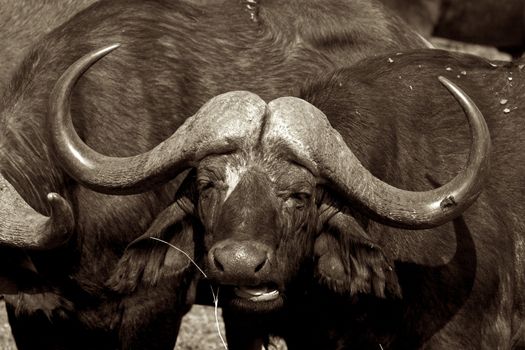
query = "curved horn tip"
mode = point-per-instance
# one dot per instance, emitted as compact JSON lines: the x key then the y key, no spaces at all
{"x":105,"y":50}
{"x":61,"y":211}
{"x":461,"y":96}
{"x":110,"y":48}
{"x":97,"y":54}
{"x":56,"y":201}
{"x":53,"y":196}
{"x":448,"y":83}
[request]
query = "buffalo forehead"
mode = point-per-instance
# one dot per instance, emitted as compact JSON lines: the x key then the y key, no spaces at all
{"x":232,"y":176}
{"x":282,"y":173}
{"x":235,"y":116}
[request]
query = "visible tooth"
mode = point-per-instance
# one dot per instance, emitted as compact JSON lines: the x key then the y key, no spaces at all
{"x":274,"y":294}
{"x":254,"y":291}
{"x":257,"y":294}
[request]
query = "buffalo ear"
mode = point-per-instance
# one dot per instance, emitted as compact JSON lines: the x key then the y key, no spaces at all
{"x":150,"y":258}
{"x":349,"y":262}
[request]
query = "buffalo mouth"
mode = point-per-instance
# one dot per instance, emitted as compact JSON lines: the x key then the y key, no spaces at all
{"x":257,"y":294}
{"x":261,"y":298}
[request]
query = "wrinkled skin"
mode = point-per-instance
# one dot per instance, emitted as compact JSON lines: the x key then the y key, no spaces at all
{"x":278,"y":215}
{"x":169,"y":56}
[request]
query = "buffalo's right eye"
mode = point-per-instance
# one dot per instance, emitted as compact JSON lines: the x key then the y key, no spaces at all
{"x":299,"y":199}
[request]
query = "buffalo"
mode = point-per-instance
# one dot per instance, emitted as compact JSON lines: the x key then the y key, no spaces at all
{"x":273,"y":184}
{"x":65,"y":261}
{"x":303,"y":210}
{"x":268,"y":186}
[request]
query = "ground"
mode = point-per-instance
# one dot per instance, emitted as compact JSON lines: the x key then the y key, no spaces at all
{"x":6,"y":340}
{"x":198,"y":331}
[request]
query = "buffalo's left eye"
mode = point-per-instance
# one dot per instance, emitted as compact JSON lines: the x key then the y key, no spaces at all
{"x":204,"y":185}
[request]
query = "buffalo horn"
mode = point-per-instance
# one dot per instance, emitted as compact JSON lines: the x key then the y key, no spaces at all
{"x":226,"y":123}
{"x":23,"y":227}
{"x":314,"y":143}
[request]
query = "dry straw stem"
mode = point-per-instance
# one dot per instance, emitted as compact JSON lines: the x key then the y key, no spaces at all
{"x":215,"y":296}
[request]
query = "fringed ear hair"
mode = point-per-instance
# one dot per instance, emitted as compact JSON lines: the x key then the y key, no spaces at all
{"x":349,"y":262}
{"x":152,"y":256}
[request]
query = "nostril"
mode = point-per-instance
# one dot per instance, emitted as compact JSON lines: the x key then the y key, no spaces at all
{"x":218,"y":264}
{"x":261,"y":265}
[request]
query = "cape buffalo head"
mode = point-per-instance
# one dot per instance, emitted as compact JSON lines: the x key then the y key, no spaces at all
{"x":267,"y":180}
